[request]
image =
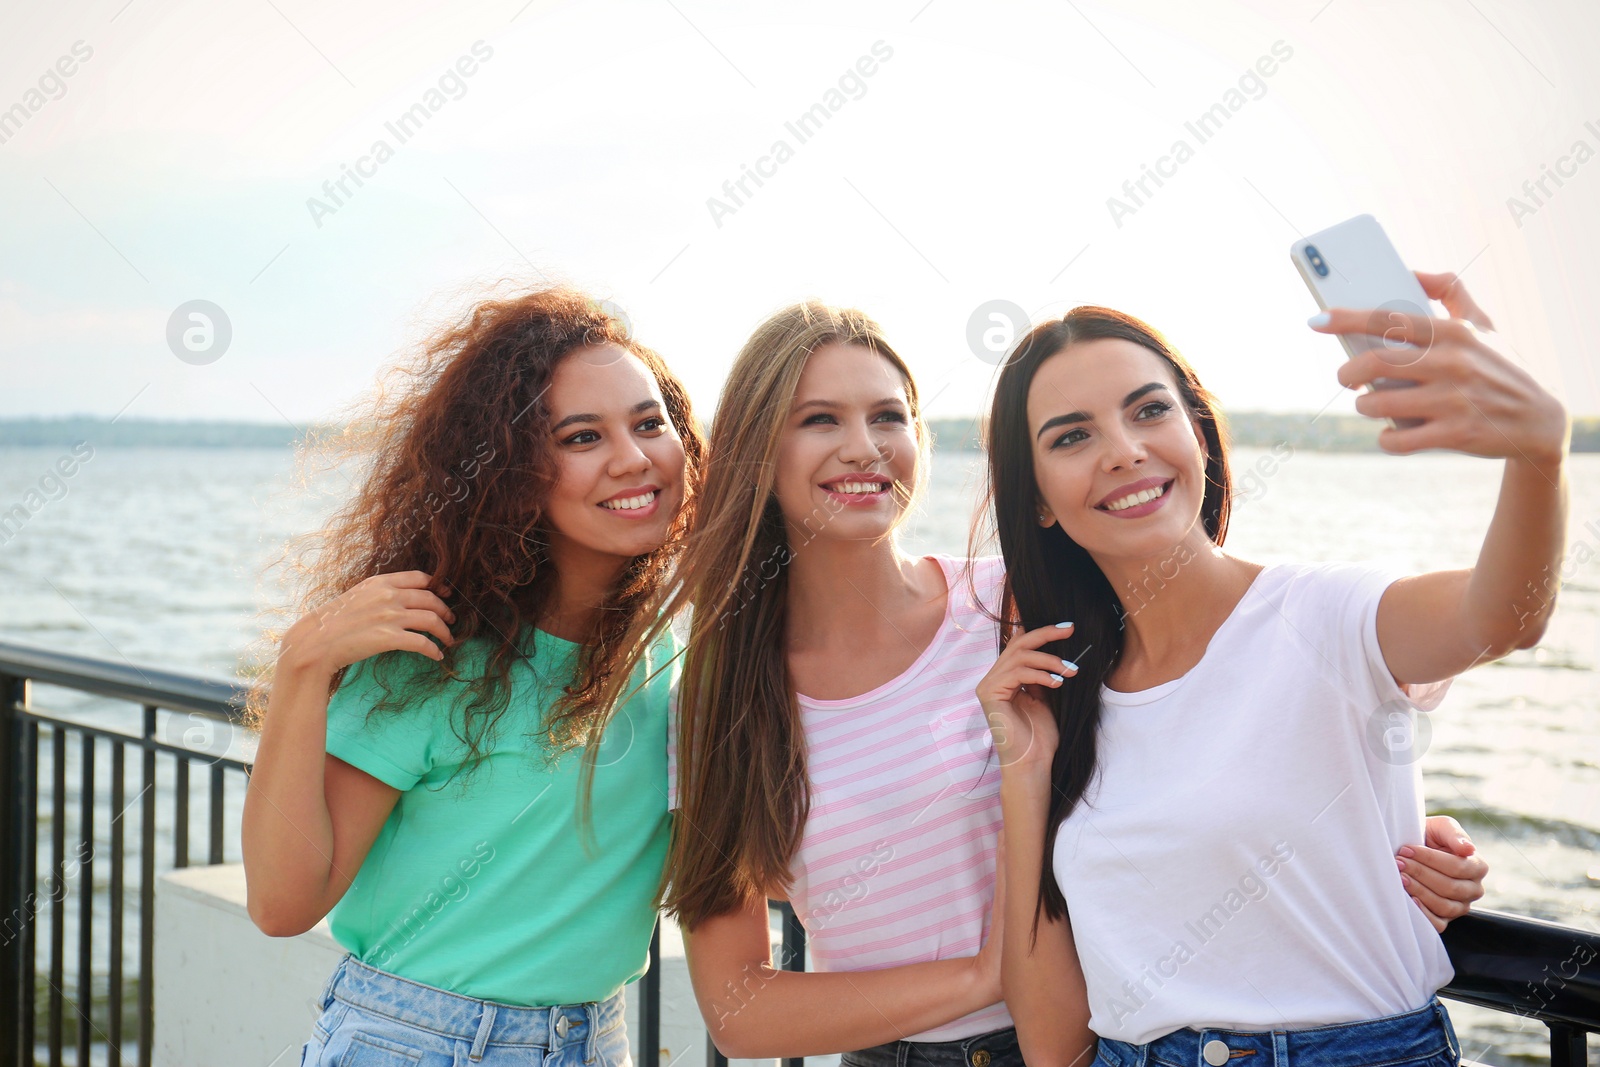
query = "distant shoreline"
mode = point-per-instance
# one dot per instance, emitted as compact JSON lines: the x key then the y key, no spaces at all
{"x":1250,"y":429}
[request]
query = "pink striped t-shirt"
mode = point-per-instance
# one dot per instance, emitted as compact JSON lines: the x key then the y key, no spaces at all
{"x":897,"y":861}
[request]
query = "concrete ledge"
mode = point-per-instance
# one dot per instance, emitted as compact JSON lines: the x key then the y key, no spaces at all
{"x":227,"y":993}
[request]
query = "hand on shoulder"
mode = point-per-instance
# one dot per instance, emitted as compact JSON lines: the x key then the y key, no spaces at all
{"x":384,"y":613}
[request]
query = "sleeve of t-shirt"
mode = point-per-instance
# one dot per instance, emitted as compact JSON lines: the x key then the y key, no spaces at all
{"x":672,"y":748}
{"x":396,"y":745}
{"x":671,"y":647}
{"x":989,"y":573}
{"x":1358,"y":589}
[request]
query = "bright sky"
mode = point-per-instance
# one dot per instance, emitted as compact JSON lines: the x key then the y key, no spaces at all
{"x":968,"y":155}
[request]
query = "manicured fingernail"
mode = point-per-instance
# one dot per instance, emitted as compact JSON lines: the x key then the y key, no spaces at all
{"x":1062,"y":625}
{"x":1407,"y":851}
{"x":1405,"y":881}
{"x":1069,"y":665}
{"x":1321,"y":318}
{"x":1400,"y":863}
{"x":1056,"y":678}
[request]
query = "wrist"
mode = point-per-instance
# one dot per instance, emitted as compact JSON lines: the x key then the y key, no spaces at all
{"x":1026,"y":755}
{"x":300,"y":662}
{"x":1545,"y":466}
{"x":1546,"y":453}
{"x":1026,"y":778}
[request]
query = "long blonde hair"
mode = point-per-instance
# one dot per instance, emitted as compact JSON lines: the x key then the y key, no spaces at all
{"x":744,"y":794}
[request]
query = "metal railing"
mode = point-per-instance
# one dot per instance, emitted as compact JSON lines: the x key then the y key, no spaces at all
{"x":34,"y":739}
{"x":1533,"y":969}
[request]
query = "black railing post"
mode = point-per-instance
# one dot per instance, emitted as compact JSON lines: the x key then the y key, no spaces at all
{"x":1569,"y":1046}
{"x":86,"y":800}
{"x":794,"y":955}
{"x":650,"y":1004}
{"x":27,"y":790}
{"x":58,"y":890}
{"x":147,"y":893}
{"x":15,"y":972}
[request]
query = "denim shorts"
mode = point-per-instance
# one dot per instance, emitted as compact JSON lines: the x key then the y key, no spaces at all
{"x":995,"y":1049}
{"x":371,"y":1018}
{"x":1421,"y":1038}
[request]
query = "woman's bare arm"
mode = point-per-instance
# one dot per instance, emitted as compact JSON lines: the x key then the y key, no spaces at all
{"x":1040,"y":976}
{"x":1470,"y":399}
{"x":309,"y":818}
{"x":755,"y":1011}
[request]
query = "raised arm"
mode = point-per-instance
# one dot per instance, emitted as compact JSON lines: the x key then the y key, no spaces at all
{"x":756,"y":1011}
{"x":1040,"y":974}
{"x":309,"y":818}
{"x":1471,"y":399}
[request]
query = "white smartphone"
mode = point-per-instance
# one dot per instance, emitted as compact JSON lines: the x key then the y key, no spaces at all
{"x":1355,"y":265}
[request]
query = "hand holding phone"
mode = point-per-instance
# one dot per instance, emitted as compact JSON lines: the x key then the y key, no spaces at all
{"x":1354,"y":265}
{"x":1468,"y":397}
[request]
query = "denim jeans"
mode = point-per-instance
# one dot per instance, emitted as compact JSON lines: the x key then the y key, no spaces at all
{"x":1421,"y":1038}
{"x":995,"y":1049}
{"x":371,"y":1018}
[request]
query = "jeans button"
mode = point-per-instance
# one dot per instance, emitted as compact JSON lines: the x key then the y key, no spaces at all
{"x":562,"y":1025}
{"x":980,"y":1058}
{"x":1215,"y":1052}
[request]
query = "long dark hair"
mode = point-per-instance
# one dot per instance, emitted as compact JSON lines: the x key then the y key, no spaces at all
{"x":1049,"y":576}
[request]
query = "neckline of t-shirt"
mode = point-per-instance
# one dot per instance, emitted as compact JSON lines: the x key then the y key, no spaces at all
{"x":948,"y":569}
{"x":1156,"y":692}
{"x":545,"y":639}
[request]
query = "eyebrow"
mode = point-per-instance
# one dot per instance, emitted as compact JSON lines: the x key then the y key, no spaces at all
{"x":1079,"y":416}
{"x":835,"y":404}
{"x":637,"y":409}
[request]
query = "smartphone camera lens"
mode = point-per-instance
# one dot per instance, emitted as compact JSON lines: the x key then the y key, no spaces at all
{"x":1316,"y":261}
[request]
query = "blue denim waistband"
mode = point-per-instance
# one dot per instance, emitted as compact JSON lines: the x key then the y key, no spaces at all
{"x":482,"y":1022}
{"x":991,"y":1047}
{"x":1394,"y":1038}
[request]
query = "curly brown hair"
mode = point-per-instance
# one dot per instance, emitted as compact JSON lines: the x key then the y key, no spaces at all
{"x":458,"y":461}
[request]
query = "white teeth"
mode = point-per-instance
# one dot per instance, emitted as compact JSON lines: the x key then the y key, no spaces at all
{"x":1144,"y":496}
{"x":860,"y":487}
{"x":629,"y":503}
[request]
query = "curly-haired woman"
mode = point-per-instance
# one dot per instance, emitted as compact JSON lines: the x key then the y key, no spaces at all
{"x":436,"y":768}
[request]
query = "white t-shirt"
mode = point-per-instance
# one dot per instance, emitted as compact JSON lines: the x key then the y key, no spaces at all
{"x":1232,"y":865}
{"x":896,"y":864}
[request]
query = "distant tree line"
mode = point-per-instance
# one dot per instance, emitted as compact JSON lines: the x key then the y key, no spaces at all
{"x":1325,"y":433}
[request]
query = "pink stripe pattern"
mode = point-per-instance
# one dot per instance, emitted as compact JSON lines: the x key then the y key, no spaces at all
{"x":897,"y":862}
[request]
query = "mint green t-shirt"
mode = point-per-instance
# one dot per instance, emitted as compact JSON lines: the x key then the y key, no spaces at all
{"x":487,"y":889}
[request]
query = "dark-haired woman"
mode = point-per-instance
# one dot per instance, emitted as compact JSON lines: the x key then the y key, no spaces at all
{"x":1202,"y":819}
{"x":523,"y":498}
{"x":832,"y":752}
